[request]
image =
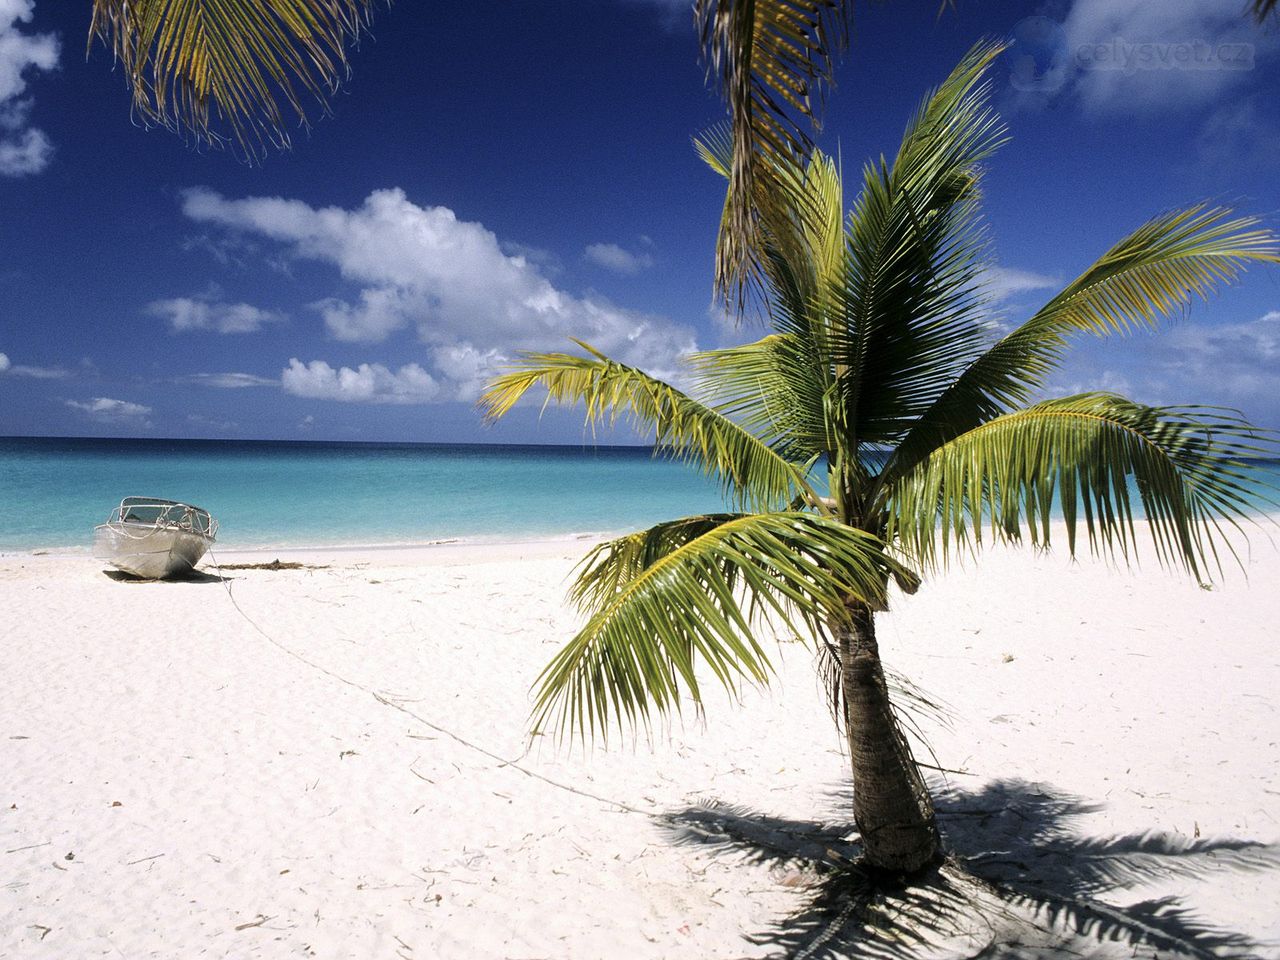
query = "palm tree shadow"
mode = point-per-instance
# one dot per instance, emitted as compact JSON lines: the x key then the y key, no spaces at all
{"x":1021,"y":883}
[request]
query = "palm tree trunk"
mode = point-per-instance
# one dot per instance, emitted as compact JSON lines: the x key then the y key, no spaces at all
{"x":891,"y":804}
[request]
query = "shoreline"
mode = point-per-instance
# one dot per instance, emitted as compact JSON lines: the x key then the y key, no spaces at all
{"x":537,"y":544}
{"x":501,"y":543}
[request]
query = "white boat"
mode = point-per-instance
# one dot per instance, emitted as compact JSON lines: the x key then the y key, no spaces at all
{"x":153,"y":538}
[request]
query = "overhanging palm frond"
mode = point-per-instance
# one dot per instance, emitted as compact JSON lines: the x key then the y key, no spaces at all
{"x":752,"y":473}
{"x":773,"y":61}
{"x":1080,"y":453}
{"x":770,"y":57}
{"x":699,"y":604}
{"x":1264,"y":8}
{"x":1147,"y":276}
{"x":230,"y":70}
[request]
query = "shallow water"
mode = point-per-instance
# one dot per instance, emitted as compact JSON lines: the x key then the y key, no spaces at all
{"x":53,"y":491}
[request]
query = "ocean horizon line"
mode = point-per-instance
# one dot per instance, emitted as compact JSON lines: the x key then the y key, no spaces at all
{"x":339,"y":443}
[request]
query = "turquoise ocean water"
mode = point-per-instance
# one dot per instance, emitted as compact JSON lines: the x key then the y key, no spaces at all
{"x":266,"y":494}
{"x":269,"y":494}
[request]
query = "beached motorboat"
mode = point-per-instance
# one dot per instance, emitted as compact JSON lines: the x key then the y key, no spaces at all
{"x":154,"y":538}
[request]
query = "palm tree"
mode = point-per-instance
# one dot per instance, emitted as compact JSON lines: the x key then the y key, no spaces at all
{"x":883,"y":374}
{"x":230,"y":71}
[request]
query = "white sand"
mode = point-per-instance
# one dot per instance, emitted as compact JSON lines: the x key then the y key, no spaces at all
{"x":176,"y":785}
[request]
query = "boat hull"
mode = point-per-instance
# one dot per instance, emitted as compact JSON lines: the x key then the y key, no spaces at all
{"x":148,"y":551}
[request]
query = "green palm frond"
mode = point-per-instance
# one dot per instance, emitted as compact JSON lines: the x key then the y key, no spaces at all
{"x":1080,"y":453}
{"x":911,"y":301}
{"x":1155,"y":271}
{"x":611,"y":565}
{"x":1264,"y":8}
{"x":751,"y":472}
{"x":230,"y":70}
{"x":777,"y":387}
{"x":700,"y":605}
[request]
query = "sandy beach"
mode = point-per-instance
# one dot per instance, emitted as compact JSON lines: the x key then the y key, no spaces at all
{"x":332,"y":762}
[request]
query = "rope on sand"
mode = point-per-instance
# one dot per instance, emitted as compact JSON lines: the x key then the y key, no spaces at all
{"x":383,"y":699}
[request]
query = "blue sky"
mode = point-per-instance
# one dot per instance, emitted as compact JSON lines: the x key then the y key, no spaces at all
{"x":499,"y":177}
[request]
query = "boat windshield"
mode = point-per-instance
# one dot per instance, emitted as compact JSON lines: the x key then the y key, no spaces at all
{"x":165,"y":513}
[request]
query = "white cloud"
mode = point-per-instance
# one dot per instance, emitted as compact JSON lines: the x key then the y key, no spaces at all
{"x":1004,"y":283}
{"x":24,"y":153}
{"x":368,"y":383}
{"x":24,"y":150}
{"x":542,"y":258}
{"x":613,"y":257}
{"x":449,"y":279}
{"x":39,"y":373}
{"x":230,"y":381}
{"x":380,"y":312}
{"x":189,"y":313}
{"x":107,"y":410}
{"x":1239,"y":136}
{"x":1122,"y":56}
{"x":1103,"y":381}
{"x":35,"y":373}
{"x":1224,"y":364}
{"x":1237,"y":363}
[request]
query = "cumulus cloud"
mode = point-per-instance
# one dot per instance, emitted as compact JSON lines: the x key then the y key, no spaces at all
{"x":615,"y":258}
{"x":367,"y":383}
{"x":1121,"y":56}
{"x":380,"y":312}
{"x":107,"y":410}
{"x":190,"y":313}
{"x":24,"y":150}
{"x":471,"y":302}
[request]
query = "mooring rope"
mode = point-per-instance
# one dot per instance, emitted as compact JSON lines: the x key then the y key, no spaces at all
{"x":503,"y":762}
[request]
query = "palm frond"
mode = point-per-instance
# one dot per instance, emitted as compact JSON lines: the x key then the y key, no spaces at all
{"x":779,"y":388}
{"x":773,"y":61}
{"x":770,"y":57}
{"x":700,"y":605}
{"x":1264,"y":8}
{"x":238,"y":71}
{"x":750,"y":471}
{"x":1155,"y":271}
{"x":1096,"y":457}
{"x":911,"y":303}
{"x":611,"y":565}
